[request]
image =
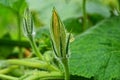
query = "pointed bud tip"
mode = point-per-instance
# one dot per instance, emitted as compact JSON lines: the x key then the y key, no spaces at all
{"x":54,"y":9}
{"x":54,"y":12}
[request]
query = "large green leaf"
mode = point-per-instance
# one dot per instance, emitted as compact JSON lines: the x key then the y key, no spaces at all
{"x":96,"y":52}
{"x":7,"y":21}
{"x":10,"y":10}
{"x":17,"y":6}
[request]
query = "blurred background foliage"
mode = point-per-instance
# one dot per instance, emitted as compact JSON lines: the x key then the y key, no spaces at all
{"x":12,"y":39}
{"x":12,"y":11}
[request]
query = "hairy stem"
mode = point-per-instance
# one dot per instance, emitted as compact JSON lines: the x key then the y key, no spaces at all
{"x":44,"y":75}
{"x":66,"y":68}
{"x":34,"y":47}
{"x":34,"y":64}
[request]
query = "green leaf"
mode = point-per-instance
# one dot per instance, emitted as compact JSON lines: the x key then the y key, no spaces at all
{"x":9,"y":10}
{"x":35,"y":16}
{"x":17,"y":6}
{"x":114,"y":4}
{"x":73,"y":25}
{"x":7,"y":21}
{"x":96,"y":52}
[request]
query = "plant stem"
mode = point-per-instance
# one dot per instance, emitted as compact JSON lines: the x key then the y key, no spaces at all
{"x":19,"y":34}
{"x":34,"y":47}
{"x":119,"y":6}
{"x":13,"y":43}
{"x":34,"y":64}
{"x":44,"y":75}
{"x":66,"y":68}
{"x":84,"y":15}
{"x":4,"y":71}
{"x":7,"y":70}
{"x":2,"y":76}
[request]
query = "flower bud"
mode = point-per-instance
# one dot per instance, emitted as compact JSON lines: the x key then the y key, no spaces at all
{"x":28,"y":23}
{"x":60,"y":40}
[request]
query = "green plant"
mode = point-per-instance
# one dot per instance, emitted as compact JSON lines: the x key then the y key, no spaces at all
{"x":84,"y":15}
{"x":28,"y":29}
{"x":60,"y":42}
{"x":95,"y":53}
